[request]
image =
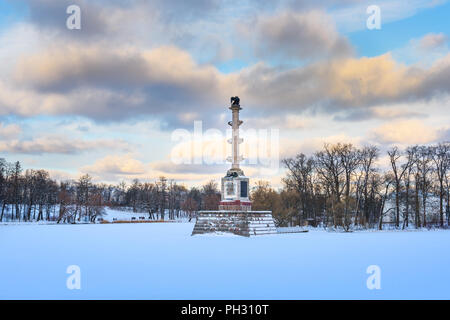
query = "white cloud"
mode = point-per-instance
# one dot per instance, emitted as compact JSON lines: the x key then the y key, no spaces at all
{"x":433,"y":41}
{"x":117,"y":165}
{"x":59,"y":145}
{"x":296,"y":35}
{"x":9,"y":131}
{"x":406,"y":132}
{"x":292,"y":146}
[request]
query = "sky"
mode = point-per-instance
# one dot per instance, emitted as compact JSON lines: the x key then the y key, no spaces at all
{"x":124,"y":96}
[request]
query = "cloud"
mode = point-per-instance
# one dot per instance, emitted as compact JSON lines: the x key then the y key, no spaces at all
{"x":302,"y":35}
{"x":432,"y":41}
{"x":9,"y":131}
{"x":67,"y":68}
{"x":445,"y":135}
{"x":168,"y":167}
{"x":406,"y":132}
{"x":116,"y":165}
{"x":435,"y":80}
{"x":59,"y":145}
{"x":394,"y":112}
{"x":203,"y":172}
{"x":118,"y":21}
{"x":167,"y":83}
{"x":122,"y":83}
{"x":59,"y":175}
{"x":288,"y":121}
{"x":353,"y":83}
{"x":423,"y":51}
{"x":113,"y":84}
{"x":187,"y":10}
{"x":305,"y":4}
{"x":336,"y":85}
{"x":113,"y":168}
{"x":291,"y":146}
{"x":50,"y":14}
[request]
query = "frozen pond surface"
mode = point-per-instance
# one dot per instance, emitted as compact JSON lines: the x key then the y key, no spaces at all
{"x":163,"y":261}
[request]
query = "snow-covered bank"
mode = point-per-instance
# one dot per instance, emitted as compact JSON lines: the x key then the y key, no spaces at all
{"x":110,"y":215}
{"x":159,"y":261}
{"x":113,"y":214}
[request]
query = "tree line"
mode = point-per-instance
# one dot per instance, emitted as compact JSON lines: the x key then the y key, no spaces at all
{"x":339,"y":186}
{"x":31,"y":195}
{"x":342,"y":186}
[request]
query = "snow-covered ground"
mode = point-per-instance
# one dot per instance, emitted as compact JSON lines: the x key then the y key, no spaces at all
{"x":112,"y":215}
{"x":163,"y":261}
{"x":115,"y":214}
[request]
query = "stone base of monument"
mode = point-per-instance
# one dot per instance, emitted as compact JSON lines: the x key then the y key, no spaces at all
{"x":242,"y":223}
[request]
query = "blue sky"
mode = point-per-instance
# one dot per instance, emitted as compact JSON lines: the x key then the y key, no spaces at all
{"x":11,"y":12}
{"x":107,"y":99}
{"x":397,"y":34}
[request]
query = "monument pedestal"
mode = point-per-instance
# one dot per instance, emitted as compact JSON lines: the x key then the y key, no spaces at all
{"x":242,"y":223}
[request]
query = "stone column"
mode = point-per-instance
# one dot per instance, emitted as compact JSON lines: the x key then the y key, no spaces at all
{"x":235,"y":140}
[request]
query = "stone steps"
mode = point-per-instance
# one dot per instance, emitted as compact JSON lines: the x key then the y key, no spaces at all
{"x":249,"y":223}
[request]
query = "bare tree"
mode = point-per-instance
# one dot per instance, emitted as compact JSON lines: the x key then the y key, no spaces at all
{"x":3,"y":186}
{"x":210,"y":196}
{"x":409,"y":166}
{"x":440,"y":155}
{"x":388,"y":180}
{"x":351,"y":159}
{"x":84,"y":184}
{"x":398,"y":171}
{"x":299,"y":178}
{"x":332,"y":174}
{"x":369,"y":155}
{"x":424,"y":170}
{"x":447,"y":186}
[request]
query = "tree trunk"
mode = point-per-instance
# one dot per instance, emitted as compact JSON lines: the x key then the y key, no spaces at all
{"x":417,"y":214}
{"x":397,"y":204}
{"x":29,"y":210}
{"x":3,"y":210}
{"x":406,"y":222}
{"x":40,"y":217}
{"x":424,"y":204}
{"x":441,"y":203}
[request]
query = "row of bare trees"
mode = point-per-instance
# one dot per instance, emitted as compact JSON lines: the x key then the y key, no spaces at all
{"x":344,"y":186}
{"x":31,"y":195}
{"x":339,"y":186}
{"x":425,"y":170}
{"x":25,"y":196}
{"x":165,"y":197}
